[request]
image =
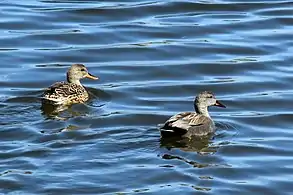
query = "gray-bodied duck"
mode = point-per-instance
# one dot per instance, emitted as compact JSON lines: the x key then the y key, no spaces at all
{"x":70,"y":92}
{"x":198,"y":123}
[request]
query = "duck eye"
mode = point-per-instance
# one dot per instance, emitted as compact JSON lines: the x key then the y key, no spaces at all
{"x":82,"y":69}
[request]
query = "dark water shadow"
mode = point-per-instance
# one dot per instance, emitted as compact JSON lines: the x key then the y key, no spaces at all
{"x":192,"y":163}
{"x":98,"y":97}
{"x":52,"y":112}
{"x":204,"y":146}
{"x":195,"y":144}
{"x":200,"y":145}
{"x":23,"y":97}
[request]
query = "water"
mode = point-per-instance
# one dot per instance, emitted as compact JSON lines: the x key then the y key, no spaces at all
{"x":152,"y":58}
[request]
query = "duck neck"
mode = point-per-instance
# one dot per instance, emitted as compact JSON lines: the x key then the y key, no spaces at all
{"x":70,"y":79}
{"x":201,"y":109}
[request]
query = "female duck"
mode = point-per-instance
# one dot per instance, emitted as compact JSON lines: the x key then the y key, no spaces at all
{"x":70,"y":92}
{"x":198,"y":123}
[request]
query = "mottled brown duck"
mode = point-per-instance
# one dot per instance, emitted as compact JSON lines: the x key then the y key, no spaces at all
{"x":70,"y":92}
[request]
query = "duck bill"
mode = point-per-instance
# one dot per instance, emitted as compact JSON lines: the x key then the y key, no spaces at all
{"x":90,"y":76}
{"x":219,"y":104}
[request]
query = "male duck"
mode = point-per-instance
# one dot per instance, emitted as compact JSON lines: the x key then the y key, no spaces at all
{"x":198,"y":123}
{"x":70,"y":92}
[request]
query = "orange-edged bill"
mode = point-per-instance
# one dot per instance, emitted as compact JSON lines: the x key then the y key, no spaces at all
{"x":90,"y":76}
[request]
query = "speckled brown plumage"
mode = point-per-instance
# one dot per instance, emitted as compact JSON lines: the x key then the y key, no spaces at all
{"x":66,"y":93}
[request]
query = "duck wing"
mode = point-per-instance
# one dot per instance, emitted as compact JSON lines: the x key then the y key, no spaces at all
{"x":187,"y":124}
{"x":62,"y":91}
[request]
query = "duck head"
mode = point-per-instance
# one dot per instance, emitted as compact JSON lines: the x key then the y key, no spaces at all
{"x":204,"y":100}
{"x":77,"y":72}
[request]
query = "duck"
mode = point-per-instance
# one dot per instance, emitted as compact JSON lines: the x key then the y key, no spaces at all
{"x":197,"y":123}
{"x":70,"y":92}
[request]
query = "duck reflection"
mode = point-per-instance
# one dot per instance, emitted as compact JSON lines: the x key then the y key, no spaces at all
{"x":200,"y":144}
{"x":63,"y":112}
